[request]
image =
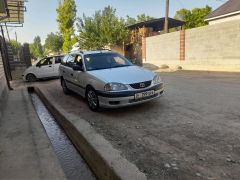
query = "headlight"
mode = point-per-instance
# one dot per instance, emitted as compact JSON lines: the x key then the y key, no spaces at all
{"x":157,"y":79}
{"x":115,"y":87}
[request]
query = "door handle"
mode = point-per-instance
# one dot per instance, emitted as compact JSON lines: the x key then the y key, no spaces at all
{"x":49,"y":66}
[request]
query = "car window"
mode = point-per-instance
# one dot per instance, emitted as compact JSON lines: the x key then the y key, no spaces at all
{"x":71,"y":60}
{"x":105,"y":61}
{"x":119,"y":60}
{"x":58,"y":59}
{"x":78,"y":60}
{"x":41,"y":62}
{"x":46,"y":61}
{"x":64,"y":60}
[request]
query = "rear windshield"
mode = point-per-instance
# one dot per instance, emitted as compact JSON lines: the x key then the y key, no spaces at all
{"x":105,"y":61}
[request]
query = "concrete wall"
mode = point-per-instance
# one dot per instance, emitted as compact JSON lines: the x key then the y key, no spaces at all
{"x":3,"y":84}
{"x":163,"y":47}
{"x":3,"y":87}
{"x":215,"y":47}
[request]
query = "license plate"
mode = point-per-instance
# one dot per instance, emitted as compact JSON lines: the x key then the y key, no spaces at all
{"x":144,"y":94}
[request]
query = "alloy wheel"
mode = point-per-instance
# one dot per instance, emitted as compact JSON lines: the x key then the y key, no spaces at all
{"x":92,"y":100}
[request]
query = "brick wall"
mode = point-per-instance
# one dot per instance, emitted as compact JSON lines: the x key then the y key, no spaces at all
{"x":143,"y":49}
{"x":182,"y":45}
{"x":215,"y":47}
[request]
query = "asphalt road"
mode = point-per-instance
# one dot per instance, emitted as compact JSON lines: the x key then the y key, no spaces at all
{"x":192,"y":132}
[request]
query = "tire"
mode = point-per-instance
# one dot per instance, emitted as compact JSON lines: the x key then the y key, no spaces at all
{"x":92,"y":99}
{"x":64,"y":87}
{"x":31,"y":78}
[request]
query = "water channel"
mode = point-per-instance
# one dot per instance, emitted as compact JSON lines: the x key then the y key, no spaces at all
{"x":73,"y":165}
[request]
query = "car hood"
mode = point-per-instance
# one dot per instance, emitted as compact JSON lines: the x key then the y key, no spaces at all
{"x":125,"y":75}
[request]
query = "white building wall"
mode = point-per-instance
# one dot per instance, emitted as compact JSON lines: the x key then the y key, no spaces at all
{"x":225,"y":19}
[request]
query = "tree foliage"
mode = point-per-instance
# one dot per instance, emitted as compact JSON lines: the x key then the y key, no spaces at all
{"x":193,"y":18}
{"x":15,"y":46}
{"x":53,"y":42}
{"x":66,"y":18}
{"x":143,"y":17}
{"x":102,"y":29}
{"x":36,"y":48}
{"x":140,"y":18}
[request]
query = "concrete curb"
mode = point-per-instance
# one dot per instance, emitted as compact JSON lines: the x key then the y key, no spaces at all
{"x":26,"y":150}
{"x":105,"y":161}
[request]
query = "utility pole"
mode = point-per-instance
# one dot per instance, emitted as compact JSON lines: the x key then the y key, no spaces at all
{"x":166,"y":29}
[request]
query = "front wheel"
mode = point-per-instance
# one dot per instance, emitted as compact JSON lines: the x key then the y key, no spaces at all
{"x":92,"y":99}
{"x":31,"y":78}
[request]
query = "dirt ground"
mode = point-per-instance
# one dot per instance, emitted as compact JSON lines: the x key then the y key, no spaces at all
{"x":192,"y":132}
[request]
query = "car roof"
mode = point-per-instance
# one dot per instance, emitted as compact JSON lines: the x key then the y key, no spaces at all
{"x":97,"y":52}
{"x":54,"y":56}
{"x":57,"y":55}
{"x":91,"y":52}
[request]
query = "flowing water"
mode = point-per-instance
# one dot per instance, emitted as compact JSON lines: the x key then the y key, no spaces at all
{"x":73,"y":165}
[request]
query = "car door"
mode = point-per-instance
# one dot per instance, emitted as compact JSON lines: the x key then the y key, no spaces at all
{"x":78,"y":76}
{"x":68,"y":71}
{"x":45,"y":68}
{"x":57,"y":61}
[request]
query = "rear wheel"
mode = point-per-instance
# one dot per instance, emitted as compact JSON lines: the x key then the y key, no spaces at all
{"x":64,"y":87}
{"x":92,"y":99}
{"x":31,"y":78}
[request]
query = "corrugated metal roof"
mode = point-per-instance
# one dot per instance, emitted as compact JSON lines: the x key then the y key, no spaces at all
{"x":14,"y":12}
{"x":230,"y":6}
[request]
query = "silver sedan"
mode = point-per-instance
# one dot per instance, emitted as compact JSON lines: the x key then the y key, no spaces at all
{"x":107,"y":79}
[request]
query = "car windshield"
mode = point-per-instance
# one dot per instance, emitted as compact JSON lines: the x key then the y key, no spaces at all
{"x":105,"y":61}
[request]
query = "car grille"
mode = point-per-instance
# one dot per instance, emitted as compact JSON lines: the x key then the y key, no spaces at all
{"x":141,"y":85}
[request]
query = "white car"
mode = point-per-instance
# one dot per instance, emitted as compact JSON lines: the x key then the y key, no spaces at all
{"x":45,"y":68}
{"x":107,"y":79}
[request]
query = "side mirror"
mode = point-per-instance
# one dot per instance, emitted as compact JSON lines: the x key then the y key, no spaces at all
{"x":77,"y":68}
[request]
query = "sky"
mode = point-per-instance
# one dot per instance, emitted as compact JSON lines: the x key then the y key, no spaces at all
{"x":40,"y":18}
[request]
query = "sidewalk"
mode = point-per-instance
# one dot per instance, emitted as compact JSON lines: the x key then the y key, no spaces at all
{"x":25,"y":150}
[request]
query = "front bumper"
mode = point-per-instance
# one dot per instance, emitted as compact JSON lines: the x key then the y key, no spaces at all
{"x":127,"y":98}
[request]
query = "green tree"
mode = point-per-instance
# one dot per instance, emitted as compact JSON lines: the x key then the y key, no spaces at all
{"x":66,"y":18}
{"x":193,"y":18}
{"x":53,"y":42}
{"x":36,"y":48}
{"x":130,"y":20}
{"x":104,"y":28}
{"x":143,"y":17}
{"x":140,"y":18}
{"x":15,"y":46}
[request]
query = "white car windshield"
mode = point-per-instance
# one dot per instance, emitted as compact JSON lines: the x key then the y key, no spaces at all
{"x":105,"y":61}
